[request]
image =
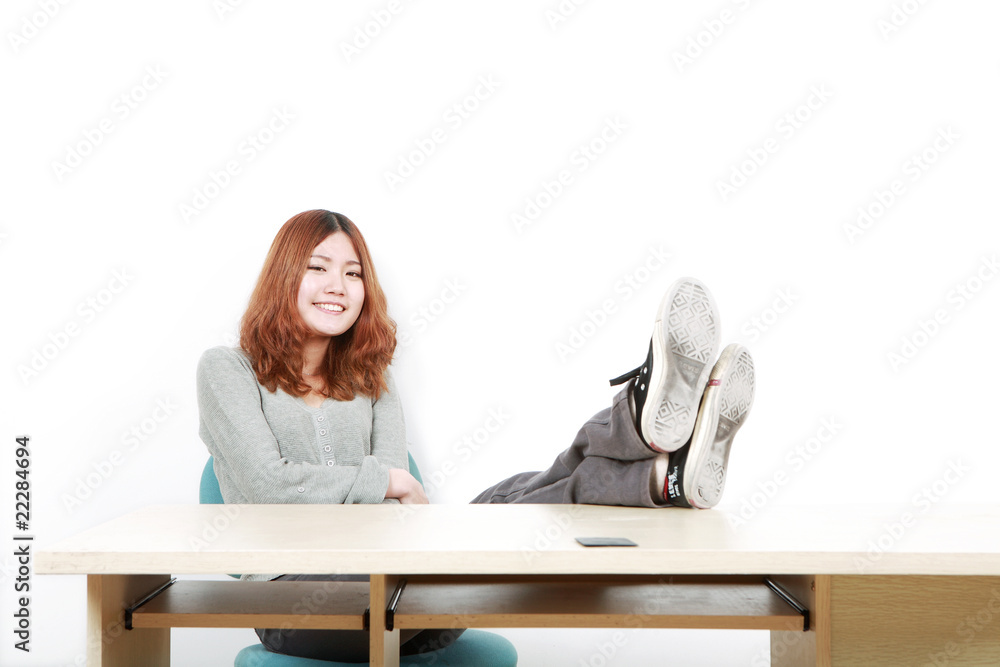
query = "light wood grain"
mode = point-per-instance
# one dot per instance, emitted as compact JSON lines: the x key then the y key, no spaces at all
{"x":256,"y":604}
{"x":893,"y":621}
{"x":525,"y":539}
{"x":109,"y":644}
{"x":865,"y":612}
{"x":384,"y":644}
{"x":617,"y":603}
{"x":823,"y":615}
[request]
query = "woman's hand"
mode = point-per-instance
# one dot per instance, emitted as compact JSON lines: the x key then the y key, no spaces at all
{"x":405,"y":487}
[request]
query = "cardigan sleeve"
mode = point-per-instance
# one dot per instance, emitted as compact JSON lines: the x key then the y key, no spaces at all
{"x":389,"y":430}
{"x":236,"y":431}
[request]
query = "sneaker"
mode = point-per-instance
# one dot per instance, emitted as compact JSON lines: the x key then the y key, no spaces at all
{"x":670,"y":384}
{"x":697,"y":471}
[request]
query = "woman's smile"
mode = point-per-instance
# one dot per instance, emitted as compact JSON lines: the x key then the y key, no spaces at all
{"x":332,"y":292}
{"x":332,"y":308}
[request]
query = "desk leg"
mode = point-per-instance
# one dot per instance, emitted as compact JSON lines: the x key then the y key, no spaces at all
{"x":887,"y":621}
{"x":109,"y":644}
{"x":384,"y":646}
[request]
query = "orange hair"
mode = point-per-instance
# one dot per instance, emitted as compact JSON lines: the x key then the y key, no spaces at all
{"x":273,"y":334}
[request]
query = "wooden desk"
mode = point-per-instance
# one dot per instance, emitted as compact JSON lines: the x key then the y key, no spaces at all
{"x":884,"y":586}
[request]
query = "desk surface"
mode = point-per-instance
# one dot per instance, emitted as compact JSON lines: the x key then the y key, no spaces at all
{"x":531,"y":539}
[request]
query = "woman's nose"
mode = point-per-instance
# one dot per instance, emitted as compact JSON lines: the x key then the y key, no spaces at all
{"x":335,"y":285}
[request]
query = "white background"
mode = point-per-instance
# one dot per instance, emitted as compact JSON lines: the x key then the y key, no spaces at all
{"x":822,"y":302}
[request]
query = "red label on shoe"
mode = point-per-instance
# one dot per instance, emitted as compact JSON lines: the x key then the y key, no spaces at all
{"x":714,"y":383}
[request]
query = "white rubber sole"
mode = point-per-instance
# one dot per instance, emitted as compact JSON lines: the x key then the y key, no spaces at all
{"x":685,"y":342}
{"x":724,"y":408}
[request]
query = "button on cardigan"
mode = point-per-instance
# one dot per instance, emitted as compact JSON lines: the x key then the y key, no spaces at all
{"x":271,"y":447}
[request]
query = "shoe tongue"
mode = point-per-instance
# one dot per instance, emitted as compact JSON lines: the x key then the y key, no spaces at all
{"x":674,"y":487}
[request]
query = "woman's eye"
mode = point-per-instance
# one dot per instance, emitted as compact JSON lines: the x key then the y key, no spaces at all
{"x":318,"y":268}
{"x":354,"y":273}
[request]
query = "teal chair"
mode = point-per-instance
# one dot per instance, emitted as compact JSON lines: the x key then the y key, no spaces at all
{"x":474,"y":648}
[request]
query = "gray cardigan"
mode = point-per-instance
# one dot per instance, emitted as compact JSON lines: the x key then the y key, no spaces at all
{"x":270,"y":447}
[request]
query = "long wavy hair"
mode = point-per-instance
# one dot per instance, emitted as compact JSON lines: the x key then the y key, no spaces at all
{"x":273,"y":334}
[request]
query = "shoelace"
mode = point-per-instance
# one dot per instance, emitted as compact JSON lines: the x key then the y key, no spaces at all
{"x":621,"y":379}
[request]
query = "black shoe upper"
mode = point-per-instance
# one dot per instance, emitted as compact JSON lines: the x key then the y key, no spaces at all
{"x":639,"y":389}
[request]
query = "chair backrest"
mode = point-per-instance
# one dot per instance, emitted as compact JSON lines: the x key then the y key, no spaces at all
{"x":209,"y":492}
{"x":413,"y":468}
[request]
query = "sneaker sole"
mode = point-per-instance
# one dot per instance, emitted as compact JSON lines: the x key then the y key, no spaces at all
{"x":727,"y":401}
{"x":685,"y":341}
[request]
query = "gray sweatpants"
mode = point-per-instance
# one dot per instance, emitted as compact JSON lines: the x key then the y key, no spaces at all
{"x":607,"y":464}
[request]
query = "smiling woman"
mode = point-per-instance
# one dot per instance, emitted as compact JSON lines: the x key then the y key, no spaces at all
{"x":306,"y":411}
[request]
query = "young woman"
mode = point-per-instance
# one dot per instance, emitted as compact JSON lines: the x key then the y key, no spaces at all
{"x":306,"y":411}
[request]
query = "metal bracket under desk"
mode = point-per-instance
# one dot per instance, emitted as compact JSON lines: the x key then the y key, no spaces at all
{"x":390,"y":610}
{"x":130,"y":610}
{"x":781,"y":592}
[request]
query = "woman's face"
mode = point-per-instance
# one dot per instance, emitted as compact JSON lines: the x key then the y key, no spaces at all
{"x":331,"y":293}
